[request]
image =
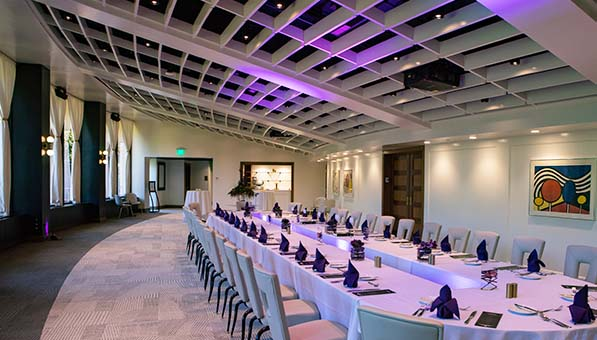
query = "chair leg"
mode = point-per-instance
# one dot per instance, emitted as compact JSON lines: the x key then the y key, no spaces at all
{"x":243,"y":323}
{"x":206,"y":277}
{"x":120,"y":212}
{"x":261,"y":331}
{"x":230,"y":309}
{"x":225,"y":299}
{"x":251,"y":322}
{"x":214,"y":275}
{"x":220,"y":293}
{"x":236,"y":307}
{"x":192,"y":249}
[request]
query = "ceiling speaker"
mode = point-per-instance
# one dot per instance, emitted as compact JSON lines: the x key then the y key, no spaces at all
{"x":61,"y":92}
{"x":115,"y":116}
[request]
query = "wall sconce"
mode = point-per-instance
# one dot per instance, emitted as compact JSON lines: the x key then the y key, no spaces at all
{"x":103,"y":157}
{"x":47,"y":143}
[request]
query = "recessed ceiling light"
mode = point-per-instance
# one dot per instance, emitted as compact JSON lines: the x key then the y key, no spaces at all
{"x":363,"y":132}
{"x":564,"y":134}
{"x":439,"y":16}
{"x":515,"y":62}
{"x":367,"y":154}
{"x":535,"y":131}
{"x":345,"y":153}
{"x":472,"y":137}
{"x":279,"y":5}
{"x":147,"y":44}
{"x":456,"y":144}
{"x":534,"y":68}
{"x":427,"y":142}
{"x":358,"y":150}
{"x":154,"y":2}
{"x":503,"y":140}
{"x":396,"y":58}
{"x":324,"y":68}
{"x":246,"y":37}
{"x":418,"y":63}
{"x":104,"y":49}
{"x":68,"y":17}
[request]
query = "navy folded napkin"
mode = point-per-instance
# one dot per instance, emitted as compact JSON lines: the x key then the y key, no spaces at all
{"x":365,"y":229}
{"x":348,"y":223}
{"x":351,"y":276}
{"x":295,"y":210}
{"x":237,"y":223}
{"x":252,"y":230}
{"x":332,"y":221}
{"x":263,"y":236}
{"x":231,"y":219}
{"x":218,"y":210}
{"x":322,"y":217}
{"x":534,"y":263}
{"x":276,"y":207}
{"x":445,"y":245}
{"x":247,"y":212}
{"x":320,"y":262}
{"x":247,"y":205}
{"x":445,"y":304}
{"x":305,"y":212}
{"x":301,"y":253}
{"x":244,"y":226}
{"x":482,"y":254}
{"x":284,"y":244}
{"x":386,"y":231}
{"x":226,"y":215}
{"x":580,"y":310}
{"x":314,"y":214}
{"x":417,"y":237}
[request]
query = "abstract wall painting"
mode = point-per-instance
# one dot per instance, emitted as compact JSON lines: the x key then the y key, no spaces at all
{"x":563,"y":188}
{"x":336,"y":182}
{"x":347,"y":187}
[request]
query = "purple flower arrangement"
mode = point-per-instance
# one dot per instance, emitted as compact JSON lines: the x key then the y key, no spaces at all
{"x":425,"y":248}
{"x":358,"y":250}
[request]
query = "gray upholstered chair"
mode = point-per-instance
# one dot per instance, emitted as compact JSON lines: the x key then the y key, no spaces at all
{"x":341,"y":215}
{"x":405,"y":228}
{"x":524,"y":244}
{"x":577,"y":254}
{"x":356,"y":219}
{"x":306,"y":325}
{"x":384,"y":221}
{"x":122,"y":205}
{"x":492,"y":239}
{"x":377,"y":324}
{"x":458,"y":238}
{"x":371,"y":222}
{"x":431,"y":231}
{"x":298,"y":205}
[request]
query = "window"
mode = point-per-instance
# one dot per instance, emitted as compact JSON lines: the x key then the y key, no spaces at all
{"x":122,"y":168}
{"x":68,"y":164}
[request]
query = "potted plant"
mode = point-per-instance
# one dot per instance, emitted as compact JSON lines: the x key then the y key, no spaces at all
{"x":242,"y":191}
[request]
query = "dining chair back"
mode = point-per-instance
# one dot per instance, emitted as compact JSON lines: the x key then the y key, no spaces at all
{"x":405,"y":228}
{"x":356,"y":219}
{"x":492,"y":240}
{"x":431,"y":231}
{"x":269,"y":288}
{"x":523,"y":245}
{"x":371,"y":222}
{"x":458,"y":237}
{"x":298,"y":206}
{"x":220,"y":241}
{"x":377,"y":324}
{"x":578,"y":254}
{"x":246,"y":265}
{"x":240,"y":286}
{"x":341,"y":215}
{"x":387,"y":220}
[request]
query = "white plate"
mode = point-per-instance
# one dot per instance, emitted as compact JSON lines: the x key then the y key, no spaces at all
{"x":530,"y":277}
{"x":567,"y":296}
{"x":338,"y":265}
{"x":367,"y":278}
{"x":381,"y":239}
{"x":473,"y":263}
{"x":406,"y":246}
{"x":519,"y":311}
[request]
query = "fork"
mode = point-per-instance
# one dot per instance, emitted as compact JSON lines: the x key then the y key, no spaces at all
{"x":373,"y":284}
{"x":557,"y":322}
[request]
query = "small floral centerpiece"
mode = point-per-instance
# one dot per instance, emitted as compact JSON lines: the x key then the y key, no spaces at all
{"x":425,"y":249}
{"x":357,"y":252}
{"x":285,"y":224}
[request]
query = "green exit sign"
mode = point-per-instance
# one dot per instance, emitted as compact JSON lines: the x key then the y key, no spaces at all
{"x":181,"y":151}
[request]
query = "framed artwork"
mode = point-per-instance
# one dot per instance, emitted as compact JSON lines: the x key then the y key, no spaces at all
{"x":563,"y":188}
{"x":161,"y":176}
{"x":336,"y":182}
{"x":152,"y":186}
{"x":347,"y":186}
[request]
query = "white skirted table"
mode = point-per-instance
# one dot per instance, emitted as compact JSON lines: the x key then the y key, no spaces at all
{"x":411,"y":284}
{"x":202,"y":197}
{"x":264,"y":200}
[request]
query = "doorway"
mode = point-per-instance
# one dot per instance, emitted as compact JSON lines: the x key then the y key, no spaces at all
{"x":187,"y":177}
{"x":403,"y":187}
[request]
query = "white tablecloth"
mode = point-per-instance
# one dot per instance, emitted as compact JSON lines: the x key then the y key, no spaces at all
{"x":335,"y":303}
{"x":264,"y":200}
{"x":202,"y":197}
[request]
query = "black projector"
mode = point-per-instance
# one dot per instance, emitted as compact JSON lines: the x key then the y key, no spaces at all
{"x":440,"y":75}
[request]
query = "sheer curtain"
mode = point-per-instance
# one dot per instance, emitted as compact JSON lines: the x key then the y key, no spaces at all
{"x":125,"y":137}
{"x":57,"y":113}
{"x":111,"y":147}
{"x":75,"y":110}
{"x":8,"y":72}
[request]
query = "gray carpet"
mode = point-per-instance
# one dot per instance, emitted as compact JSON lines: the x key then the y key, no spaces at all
{"x":136,"y":284}
{"x":31,"y":275}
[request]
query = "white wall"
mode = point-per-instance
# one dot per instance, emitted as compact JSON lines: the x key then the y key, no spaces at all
{"x":155,"y":139}
{"x":484,"y":185}
{"x":367,"y":174}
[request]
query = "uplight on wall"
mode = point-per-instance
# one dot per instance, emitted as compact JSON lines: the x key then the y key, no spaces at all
{"x":181,"y":151}
{"x":103,"y":154}
{"x":46,"y":146}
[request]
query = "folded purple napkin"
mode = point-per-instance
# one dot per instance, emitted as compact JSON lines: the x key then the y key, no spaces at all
{"x":320,"y":262}
{"x":276,"y":207}
{"x":322,"y":217}
{"x":252,"y":230}
{"x":348,"y":223}
{"x":417,"y":237}
{"x":244,"y":226}
{"x":263,"y":236}
{"x":445,"y":244}
{"x":534,"y":264}
{"x":218,"y":210}
{"x":332,"y":221}
{"x":386,"y":231}
{"x":284,"y":244}
{"x":314,"y":214}
{"x":482,"y":254}
{"x":295,"y":210}
{"x":445,"y":304}
{"x":580,"y":310}
{"x":305,"y":212}
{"x":231,"y":218}
{"x":365,"y":229}
{"x":301,"y":253}
{"x":246,"y":205}
{"x":351,"y":276}
{"x":237,"y":223}
{"x":247,"y":212}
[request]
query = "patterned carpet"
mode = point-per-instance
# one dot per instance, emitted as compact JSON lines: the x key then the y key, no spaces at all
{"x":136,"y":284}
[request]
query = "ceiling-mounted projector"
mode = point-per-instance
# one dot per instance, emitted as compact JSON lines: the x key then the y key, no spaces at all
{"x":440,"y":75}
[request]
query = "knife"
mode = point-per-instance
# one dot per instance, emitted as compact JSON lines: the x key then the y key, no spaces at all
{"x":470,"y":317}
{"x":531,"y":309}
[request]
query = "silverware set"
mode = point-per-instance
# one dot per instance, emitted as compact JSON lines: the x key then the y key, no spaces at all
{"x":541,"y":314}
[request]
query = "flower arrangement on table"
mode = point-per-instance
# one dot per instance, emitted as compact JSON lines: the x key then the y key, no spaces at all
{"x":285,"y":223}
{"x":357,"y":252}
{"x":425,"y":249}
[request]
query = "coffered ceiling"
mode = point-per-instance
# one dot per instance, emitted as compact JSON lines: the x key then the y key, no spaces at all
{"x":301,"y":75}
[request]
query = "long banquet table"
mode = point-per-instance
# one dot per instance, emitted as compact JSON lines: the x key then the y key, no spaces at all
{"x":411,"y":280}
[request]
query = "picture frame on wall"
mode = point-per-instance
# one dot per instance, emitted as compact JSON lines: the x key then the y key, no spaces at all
{"x":336,"y":182}
{"x":161,"y":176}
{"x":347,"y":184}
{"x":563,"y":188}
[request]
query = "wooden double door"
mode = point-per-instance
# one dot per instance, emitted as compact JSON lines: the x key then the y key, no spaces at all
{"x":403,"y":187}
